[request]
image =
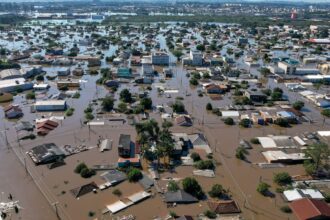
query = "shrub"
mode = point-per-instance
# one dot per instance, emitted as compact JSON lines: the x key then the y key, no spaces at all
{"x":282,"y":122}
{"x":193,"y":82}
{"x":69,"y":112}
{"x":229,"y":121}
{"x":263,"y":188}
{"x":172,"y":186}
{"x":327,"y":197}
{"x":134,"y":175}
{"x":240,"y":153}
{"x":40,"y":78}
{"x":298,"y":105}
{"x":87,"y":173}
{"x":205,"y":165}
{"x":326,"y":112}
{"x":216,"y":191}
{"x":245,"y":123}
{"x":30,"y":95}
{"x":91,"y":213}
{"x":173,"y":214}
{"x":178,"y":107}
{"x":191,"y":186}
{"x":79,"y":167}
{"x":282,"y":178}
{"x":117,"y":192}
{"x":209,"y":107}
{"x":195,"y":156}
{"x":107,"y":103}
{"x":254,"y":141}
{"x":89,"y":116}
{"x":146,"y":103}
{"x":286,"y":209}
{"x":76,"y":95}
{"x":210,"y":214}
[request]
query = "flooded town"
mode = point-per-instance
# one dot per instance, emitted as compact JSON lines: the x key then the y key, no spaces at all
{"x":164,"y":110}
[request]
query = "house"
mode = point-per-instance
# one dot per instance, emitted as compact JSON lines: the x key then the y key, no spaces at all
{"x":224,"y":207}
{"x":289,"y":66}
{"x":114,"y":177}
{"x":198,"y":141}
{"x":56,"y":51}
{"x":112,"y":83}
{"x":24,"y":126}
{"x":179,"y":197}
{"x":46,"y":153}
{"x":310,"y":209}
{"x":84,"y":189}
{"x":290,"y":116}
{"x":13,"y":111}
{"x":183,"y":120}
{"x":295,"y":194}
{"x":44,"y":127}
{"x":160,"y":58}
{"x":124,"y":146}
{"x":256,"y":97}
{"x":168,"y":73}
{"x":50,"y":105}
{"x":13,"y":85}
{"x":127,"y":162}
{"x":124,"y":72}
{"x":216,"y":89}
{"x":63,"y":72}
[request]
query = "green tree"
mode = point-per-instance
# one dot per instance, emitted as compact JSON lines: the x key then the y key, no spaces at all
{"x":217,"y":191}
{"x":178,"y":107}
{"x":210,"y":214}
{"x":195,"y":156}
{"x":193,"y":81}
{"x":146,"y":103}
{"x":282,"y":122}
{"x":191,"y":186}
{"x":318,"y":157}
{"x":30,"y":95}
{"x":134,"y":175}
{"x":172,"y":186}
{"x":241,"y":153}
{"x":245,"y":123}
{"x":326,"y":112}
{"x":125,"y":96}
{"x":122,"y":107}
{"x":200,"y":47}
{"x":79,"y":167}
{"x":298,"y":105}
{"x":229,"y":121}
{"x":209,"y":107}
{"x":107,"y":103}
{"x":263,"y":188}
{"x":282,"y":178}
{"x":205,"y":165}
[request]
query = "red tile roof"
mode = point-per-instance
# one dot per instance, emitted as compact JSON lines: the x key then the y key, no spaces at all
{"x":306,"y":209}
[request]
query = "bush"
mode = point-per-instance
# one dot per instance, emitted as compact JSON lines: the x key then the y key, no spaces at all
{"x":40,"y":78}
{"x":216,"y":191}
{"x":205,"y":165}
{"x":326,"y":112}
{"x":191,"y":186}
{"x":298,"y":105}
{"x":172,"y":186}
{"x":89,"y":116}
{"x":195,"y":156}
{"x":91,"y":214}
{"x":87,"y":173}
{"x":178,"y":107}
{"x":117,"y":192}
{"x":286,"y":209}
{"x":209,"y":107}
{"x":79,"y":167}
{"x":245,"y":123}
{"x":134,"y":175}
{"x":69,"y":112}
{"x":229,"y":121}
{"x":263,"y":188}
{"x":30,"y":95}
{"x":210,"y":214}
{"x":173,"y":214}
{"x":146,"y":103}
{"x":327,"y":197}
{"x":107,"y":104}
{"x":254,"y":141}
{"x":193,"y":82}
{"x":122,"y":107}
{"x":76,"y":95}
{"x":240,"y":153}
{"x":282,"y":178}
{"x":125,"y":96}
{"x":282,"y":122}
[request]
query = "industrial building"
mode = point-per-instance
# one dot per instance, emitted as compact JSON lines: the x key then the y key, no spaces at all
{"x":50,"y":105}
{"x":160,"y":58}
{"x":13,"y":85}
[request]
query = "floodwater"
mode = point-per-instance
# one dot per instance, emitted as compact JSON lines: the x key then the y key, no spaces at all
{"x":240,"y":178}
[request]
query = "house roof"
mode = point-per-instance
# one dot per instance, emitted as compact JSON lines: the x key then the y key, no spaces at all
{"x":310,"y":208}
{"x":183,"y":120}
{"x":113,"y":176}
{"x":125,"y":141}
{"x":84,"y":189}
{"x":179,"y":196}
{"x":198,"y":139}
{"x":224,"y":207}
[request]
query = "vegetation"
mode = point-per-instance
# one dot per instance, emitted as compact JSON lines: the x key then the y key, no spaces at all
{"x":210,"y":214}
{"x":195,"y":156}
{"x":254,"y":141}
{"x":30,"y":95}
{"x":263,"y":188}
{"x":229,"y":121}
{"x":319,"y":154}
{"x":84,"y":171}
{"x":286,"y":209}
{"x":245,"y":123}
{"x":282,"y":178}
{"x":117,"y":192}
{"x":125,"y":96}
{"x":69,"y":112}
{"x":241,"y":153}
{"x":178,"y":107}
{"x":172,"y":186}
{"x":5,"y":97}
{"x":298,"y":105}
{"x":205,"y":165}
{"x":191,"y":186}
{"x":146,"y":103}
{"x":209,"y":107}
{"x":282,"y":122}
{"x":134,"y":175}
{"x":326,"y":112}
{"x":217,"y":191}
{"x":107,"y":104}
{"x":76,"y":95}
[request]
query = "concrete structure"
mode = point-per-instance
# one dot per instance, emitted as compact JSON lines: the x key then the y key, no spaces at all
{"x":289,"y":66}
{"x":51,"y":105}
{"x":147,"y":69}
{"x":12,"y":85}
{"x":160,"y":58}
{"x":196,"y":58}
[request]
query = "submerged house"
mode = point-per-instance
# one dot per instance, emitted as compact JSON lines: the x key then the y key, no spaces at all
{"x":124,"y":146}
{"x":13,"y":111}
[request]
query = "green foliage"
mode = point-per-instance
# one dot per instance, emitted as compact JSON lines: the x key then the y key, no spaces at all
{"x":89,"y":116}
{"x":87,"y":173}
{"x":241,"y":153}
{"x":193,"y":81}
{"x":69,"y":112}
{"x":76,"y":95}
{"x":40,"y":78}
{"x":200,"y":47}
{"x":286,"y":209}
{"x":134,"y":175}
{"x":282,"y":122}
{"x":319,"y":154}
{"x":195,"y":156}
{"x":117,"y":192}
{"x":178,"y":107}
{"x":298,"y":105}
{"x":276,"y":96}
{"x":263,"y":188}
{"x":172,"y":186}
{"x":191,"y":186}
{"x":146,"y":103}
{"x":229,"y":121}
{"x":125,"y":96}
{"x":245,"y":123}
{"x":122,"y":107}
{"x":282,"y":178}
{"x":326,"y":112}
{"x":209,"y":107}
{"x":107,"y":103}
{"x":255,"y":141}
{"x":30,"y":95}
{"x":205,"y":165}
{"x":91,"y":214}
{"x":79,"y":167}
{"x":217,"y":191}
{"x":210,"y":214}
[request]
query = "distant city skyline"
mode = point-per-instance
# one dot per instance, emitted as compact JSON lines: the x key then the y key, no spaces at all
{"x":211,"y":1}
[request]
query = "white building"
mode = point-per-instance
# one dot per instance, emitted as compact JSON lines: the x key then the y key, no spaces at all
{"x":147,"y":68}
{"x":12,"y":85}
{"x":196,"y":58}
{"x":50,"y":105}
{"x":160,"y":58}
